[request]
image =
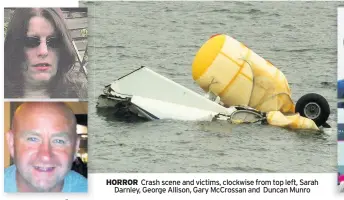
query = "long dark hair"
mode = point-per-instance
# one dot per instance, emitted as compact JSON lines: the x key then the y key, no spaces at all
{"x":60,"y":86}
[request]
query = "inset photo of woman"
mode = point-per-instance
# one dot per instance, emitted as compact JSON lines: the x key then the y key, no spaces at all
{"x":45,"y":53}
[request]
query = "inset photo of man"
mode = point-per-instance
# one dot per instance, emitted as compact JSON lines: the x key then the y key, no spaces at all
{"x":45,"y":147}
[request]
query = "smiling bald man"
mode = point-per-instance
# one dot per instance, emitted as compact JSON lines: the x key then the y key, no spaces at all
{"x":43,"y":144}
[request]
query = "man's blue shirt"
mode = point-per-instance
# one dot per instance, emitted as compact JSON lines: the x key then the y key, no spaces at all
{"x":341,"y":89}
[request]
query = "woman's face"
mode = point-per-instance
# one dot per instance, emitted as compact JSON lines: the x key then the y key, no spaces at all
{"x":41,"y":51}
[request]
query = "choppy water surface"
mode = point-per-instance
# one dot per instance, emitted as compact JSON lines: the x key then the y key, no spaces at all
{"x":297,"y":37}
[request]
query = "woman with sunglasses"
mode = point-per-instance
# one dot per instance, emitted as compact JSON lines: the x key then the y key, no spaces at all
{"x":39,"y":55}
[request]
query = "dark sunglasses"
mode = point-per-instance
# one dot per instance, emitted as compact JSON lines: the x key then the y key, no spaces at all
{"x":34,"y":41}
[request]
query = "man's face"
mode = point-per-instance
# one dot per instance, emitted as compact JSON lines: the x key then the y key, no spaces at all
{"x":41,"y":58}
{"x":44,"y":147}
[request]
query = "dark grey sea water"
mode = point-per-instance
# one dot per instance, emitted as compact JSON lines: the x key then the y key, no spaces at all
{"x":300,"y":38}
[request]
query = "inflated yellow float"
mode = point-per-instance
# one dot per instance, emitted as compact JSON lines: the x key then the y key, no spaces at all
{"x":230,"y":70}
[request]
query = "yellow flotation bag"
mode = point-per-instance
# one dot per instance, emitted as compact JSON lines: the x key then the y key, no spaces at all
{"x":240,"y":77}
